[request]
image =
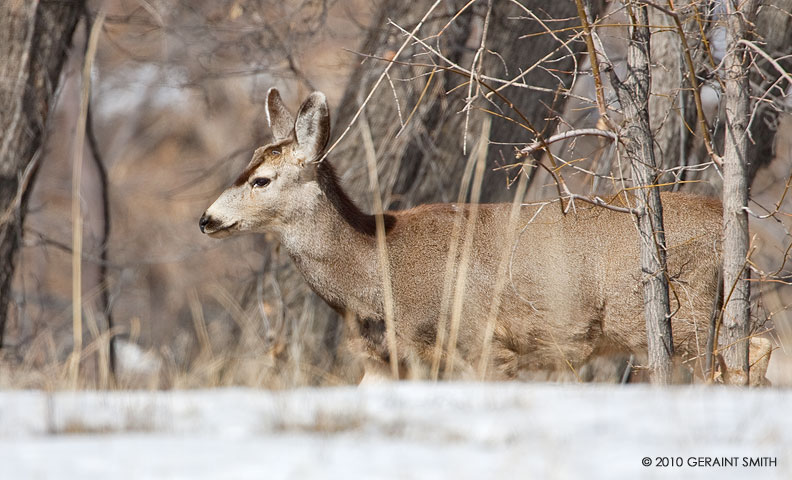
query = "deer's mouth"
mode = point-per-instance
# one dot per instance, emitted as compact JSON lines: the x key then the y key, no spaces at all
{"x":214,"y":228}
{"x":222,"y":231}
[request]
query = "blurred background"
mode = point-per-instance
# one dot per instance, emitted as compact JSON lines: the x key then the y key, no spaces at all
{"x":177,"y":109}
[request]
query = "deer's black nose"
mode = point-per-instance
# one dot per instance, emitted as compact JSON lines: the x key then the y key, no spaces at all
{"x":203,"y":222}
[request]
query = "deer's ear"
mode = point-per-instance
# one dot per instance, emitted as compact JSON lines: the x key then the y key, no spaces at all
{"x":278,"y":117}
{"x":312,"y":127}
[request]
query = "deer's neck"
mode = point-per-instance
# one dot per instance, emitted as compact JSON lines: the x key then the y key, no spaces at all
{"x":335,"y":250}
{"x":355,"y":218}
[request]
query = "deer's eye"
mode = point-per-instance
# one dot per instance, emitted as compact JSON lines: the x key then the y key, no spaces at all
{"x":275,"y":152}
{"x":260,"y":182}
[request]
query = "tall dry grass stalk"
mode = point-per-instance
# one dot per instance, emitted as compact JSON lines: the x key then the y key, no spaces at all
{"x":503,"y":265}
{"x":448,"y":276}
{"x":479,"y":156}
{"x":79,"y":145}
{"x":382,"y":246}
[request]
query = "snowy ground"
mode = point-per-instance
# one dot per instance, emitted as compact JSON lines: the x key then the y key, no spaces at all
{"x":399,"y":431}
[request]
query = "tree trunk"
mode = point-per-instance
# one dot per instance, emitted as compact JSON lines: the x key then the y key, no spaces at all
{"x":633,"y":95}
{"x":773,"y":25}
{"x":424,"y":163}
{"x":670,"y":102}
{"x":736,"y":286}
{"x":34,"y":39}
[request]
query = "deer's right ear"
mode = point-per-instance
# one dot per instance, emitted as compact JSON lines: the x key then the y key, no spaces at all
{"x":312,"y":128}
{"x":278,"y":117}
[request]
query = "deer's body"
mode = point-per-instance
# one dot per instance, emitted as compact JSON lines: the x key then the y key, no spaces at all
{"x":574,"y":282}
{"x":574,"y":288}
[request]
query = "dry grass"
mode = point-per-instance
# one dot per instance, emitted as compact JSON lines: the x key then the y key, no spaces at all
{"x":174,"y":130}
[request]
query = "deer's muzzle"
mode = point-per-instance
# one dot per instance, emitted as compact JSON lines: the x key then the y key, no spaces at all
{"x":211,"y":226}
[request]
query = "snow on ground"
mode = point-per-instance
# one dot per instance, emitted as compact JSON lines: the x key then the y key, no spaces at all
{"x":397,"y":431}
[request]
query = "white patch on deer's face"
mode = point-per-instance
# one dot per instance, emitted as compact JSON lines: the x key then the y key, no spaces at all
{"x":224,"y":214}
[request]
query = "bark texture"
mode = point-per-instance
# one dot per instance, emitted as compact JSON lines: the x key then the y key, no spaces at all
{"x":633,"y":95}
{"x":424,"y":163}
{"x":736,"y":285}
{"x":772,"y":29}
{"x":668,"y":110}
{"x":34,"y":39}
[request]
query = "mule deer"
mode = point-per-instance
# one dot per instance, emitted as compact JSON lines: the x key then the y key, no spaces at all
{"x":570,"y":285}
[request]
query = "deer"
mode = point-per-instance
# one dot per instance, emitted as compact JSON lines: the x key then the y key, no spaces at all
{"x":534,"y":288}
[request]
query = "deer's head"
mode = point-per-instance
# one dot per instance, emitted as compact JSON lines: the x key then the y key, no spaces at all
{"x":279,"y":184}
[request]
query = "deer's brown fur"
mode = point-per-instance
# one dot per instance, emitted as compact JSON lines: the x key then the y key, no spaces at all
{"x":574,"y":286}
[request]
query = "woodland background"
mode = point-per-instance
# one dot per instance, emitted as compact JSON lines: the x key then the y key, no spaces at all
{"x":178,"y":107}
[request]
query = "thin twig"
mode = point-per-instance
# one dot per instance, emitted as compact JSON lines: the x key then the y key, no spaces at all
{"x":566,"y":135}
{"x":455,"y":68}
{"x":379,"y":80}
{"x":475,"y":68}
{"x":417,"y":103}
{"x":592,"y":53}
{"x":767,"y":57}
{"x":777,"y":205}
{"x":691,"y":71}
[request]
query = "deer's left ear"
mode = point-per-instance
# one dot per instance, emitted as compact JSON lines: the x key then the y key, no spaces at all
{"x":278,"y":116}
{"x":312,"y":127}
